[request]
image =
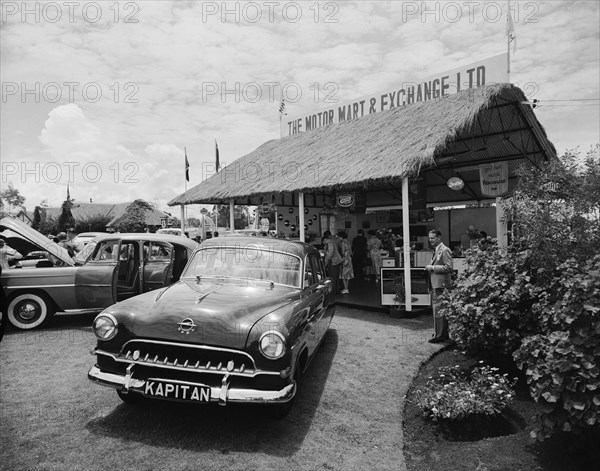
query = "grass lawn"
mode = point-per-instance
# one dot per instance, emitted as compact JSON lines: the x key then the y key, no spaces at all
{"x":348,"y":415}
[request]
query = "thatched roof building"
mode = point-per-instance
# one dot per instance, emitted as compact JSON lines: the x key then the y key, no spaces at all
{"x":437,"y":139}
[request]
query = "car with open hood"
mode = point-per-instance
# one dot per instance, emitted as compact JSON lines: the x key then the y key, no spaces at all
{"x":240,"y":326}
{"x":110,"y":268}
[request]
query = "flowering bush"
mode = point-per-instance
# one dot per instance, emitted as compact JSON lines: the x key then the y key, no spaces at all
{"x":489,"y":308}
{"x":562,"y":364}
{"x":455,"y":394}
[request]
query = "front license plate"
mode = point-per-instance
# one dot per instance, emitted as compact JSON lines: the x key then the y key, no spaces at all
{"x":181,"y":391}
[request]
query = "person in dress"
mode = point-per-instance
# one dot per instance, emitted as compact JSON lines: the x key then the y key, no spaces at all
{"x":333,"y":259}
{"x":374,"y":247}
{"x":347,"y":268}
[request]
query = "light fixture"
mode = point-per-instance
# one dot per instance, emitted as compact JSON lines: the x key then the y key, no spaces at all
{"x":455,"y":183}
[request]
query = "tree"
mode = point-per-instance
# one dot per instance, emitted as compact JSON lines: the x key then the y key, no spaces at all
{"x":240,"y":216}
{"x":96,"y":223}
{"x":66,"y":219}
{"x":134,"y":218}
{"x":12,"y":197}
{"x":193,"y":222}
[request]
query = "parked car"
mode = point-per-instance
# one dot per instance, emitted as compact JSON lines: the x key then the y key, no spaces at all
{"x":111,"y":268}
{"x":240,"y":326}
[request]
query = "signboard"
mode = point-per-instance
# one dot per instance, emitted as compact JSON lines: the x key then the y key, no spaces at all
{"x":477,"y":74}
{"x":345,"y":200}
{"x":494,"y":179}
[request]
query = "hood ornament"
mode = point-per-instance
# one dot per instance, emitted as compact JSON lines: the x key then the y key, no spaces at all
{"x":186,"y":326}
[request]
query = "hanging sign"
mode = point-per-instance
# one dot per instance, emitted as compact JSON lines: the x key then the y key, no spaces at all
{"x":494,"y":179}
{"x":345,"y":200}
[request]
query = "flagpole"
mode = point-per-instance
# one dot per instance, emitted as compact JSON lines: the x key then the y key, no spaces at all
{"x":508,"y":45}
{"x":217,"y":165}
{"x":186,"y":170}
{"x":281,"y":114}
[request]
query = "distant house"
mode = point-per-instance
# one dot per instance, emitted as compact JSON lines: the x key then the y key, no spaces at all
{"x":85,"y":211}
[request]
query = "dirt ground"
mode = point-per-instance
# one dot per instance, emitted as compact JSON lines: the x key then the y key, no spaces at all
{"x":348,"y":415}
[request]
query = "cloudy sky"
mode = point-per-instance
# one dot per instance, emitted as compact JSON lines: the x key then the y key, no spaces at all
{"x":105,"y":96}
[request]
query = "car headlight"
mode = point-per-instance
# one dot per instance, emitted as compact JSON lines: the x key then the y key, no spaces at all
{"x":105,"y":327}
{"x":272,"y":345}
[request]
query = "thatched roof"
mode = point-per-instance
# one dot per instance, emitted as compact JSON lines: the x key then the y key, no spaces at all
{"x":375,"y":149}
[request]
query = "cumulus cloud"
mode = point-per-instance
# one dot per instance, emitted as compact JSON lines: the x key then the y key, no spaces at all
{"x":154,"y":75}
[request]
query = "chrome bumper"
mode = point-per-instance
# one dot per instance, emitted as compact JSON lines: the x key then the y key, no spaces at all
{"x":222,"y":395}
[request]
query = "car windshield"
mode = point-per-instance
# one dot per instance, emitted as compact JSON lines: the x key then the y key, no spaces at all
{"x":245,"y":262}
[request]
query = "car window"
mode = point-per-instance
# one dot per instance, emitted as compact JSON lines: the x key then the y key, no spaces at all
{"x":107,"y":250}
{"x":318,"y":267}
{"x":157,"y":251}
{"x":85,"y":253}
{"x":246,"y":262}
{"x":309,"y":276}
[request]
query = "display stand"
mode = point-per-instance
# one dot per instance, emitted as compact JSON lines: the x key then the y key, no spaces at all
{"x":419,"y":286}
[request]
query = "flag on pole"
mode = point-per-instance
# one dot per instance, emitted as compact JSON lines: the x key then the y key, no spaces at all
{"x":217,"y":163}
{"x":282,"y":106}
{"x":187,"y":166}
{"x":510,"y":32}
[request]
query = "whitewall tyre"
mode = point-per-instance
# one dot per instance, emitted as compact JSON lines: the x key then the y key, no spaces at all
{"x":28,"y":311}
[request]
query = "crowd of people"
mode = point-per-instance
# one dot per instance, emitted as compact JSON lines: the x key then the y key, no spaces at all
{"x":361,"y":259}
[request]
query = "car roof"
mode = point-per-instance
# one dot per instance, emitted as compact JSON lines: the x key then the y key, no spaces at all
{"x":292,"y":247}
{"x":172,"y":239}
{"x":90,"y":234}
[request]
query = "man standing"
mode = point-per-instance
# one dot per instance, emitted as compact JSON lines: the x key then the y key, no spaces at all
{"x":440,"y":276}
{"x":359,"y":254}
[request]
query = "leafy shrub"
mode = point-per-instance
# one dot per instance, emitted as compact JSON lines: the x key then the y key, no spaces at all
{"x":455,"y":394}
{"x":489,"y":309}
{"x":562,"y":364}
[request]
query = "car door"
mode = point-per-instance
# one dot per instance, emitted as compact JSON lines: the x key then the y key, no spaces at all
{"x":314,"y":298}
{"x":96,"y":280}
{"x":158,"y":264}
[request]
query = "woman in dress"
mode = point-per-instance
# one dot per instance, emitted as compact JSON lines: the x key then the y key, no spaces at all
{"x":347,"y":268}
{"x":374,"y":245}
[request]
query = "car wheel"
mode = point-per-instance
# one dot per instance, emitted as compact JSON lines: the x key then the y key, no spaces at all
{"x":130,"y":397}
{"x":28,"y":311}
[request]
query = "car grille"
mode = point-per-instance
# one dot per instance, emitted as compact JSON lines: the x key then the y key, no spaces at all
{"x":187,"y":357}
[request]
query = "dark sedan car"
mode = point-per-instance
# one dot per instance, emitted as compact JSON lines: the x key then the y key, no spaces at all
{"x":241,"y":325}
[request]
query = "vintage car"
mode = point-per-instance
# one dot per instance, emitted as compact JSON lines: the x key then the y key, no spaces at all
{"x":111,"y":268}
{"x":240,"y":326}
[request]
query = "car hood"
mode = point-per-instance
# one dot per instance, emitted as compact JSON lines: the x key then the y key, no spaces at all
{"x":223,"y":313}
{"x":28,"y":237}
